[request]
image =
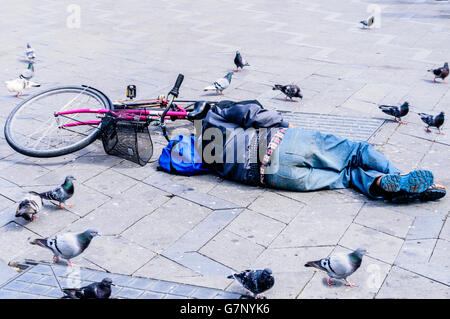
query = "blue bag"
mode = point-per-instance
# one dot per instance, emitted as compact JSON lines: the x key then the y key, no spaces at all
{"x":181,"y":156}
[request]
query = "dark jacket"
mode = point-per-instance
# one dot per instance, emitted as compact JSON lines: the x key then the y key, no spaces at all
{"x":239,"y":129}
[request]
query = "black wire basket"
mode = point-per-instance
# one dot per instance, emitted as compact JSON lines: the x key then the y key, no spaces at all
{"x":127,"y":139}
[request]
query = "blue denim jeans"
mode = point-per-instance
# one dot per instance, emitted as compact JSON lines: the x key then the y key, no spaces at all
{"x":308,"y":160}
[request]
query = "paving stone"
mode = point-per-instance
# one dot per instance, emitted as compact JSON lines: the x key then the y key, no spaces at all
{"x":7,"y":294}
{"x":441,"y":253}
{"x":6,"y":273}
{"x":129,"y":293}
{"x":231,"y":250}
{"x":164,"y":286}
{"x":314,"y":226}
{"x":23,"y":172}
{"x":106,"y":249}
{"x":205,"y":293}
{"x":16,"y":236}
{"x":199,"y":183}
{"x":445,"y":232}
{"x":415,"y":251}
{"x":17,"y":286}
{"x":38,"y":289}
{"x":241,"y":195}
{"x":111,"y":183}
{"x":426,"y":227}
{"x":137,"y":201}
{"x":174,"y":218}
{"x":11,"y":190}
{"x":256,"y":227}
{"x":394,"y":286}
{"x":202,"y":233}
{"x":30,"y":277}
{"x":151,"y":295}
{"x":162,"y":181}
{"x":384,"y":220}
{"x":284,"y":210}
{"x":141,"y":283}
{"x":379,"y":245}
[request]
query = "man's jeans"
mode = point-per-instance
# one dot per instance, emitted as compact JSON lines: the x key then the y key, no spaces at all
{"x":308,"y":160}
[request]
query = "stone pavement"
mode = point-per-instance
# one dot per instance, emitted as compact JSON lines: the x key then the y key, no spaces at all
{"x":196,"y":230}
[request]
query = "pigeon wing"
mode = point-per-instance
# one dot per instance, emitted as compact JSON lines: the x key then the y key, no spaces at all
{"x":67,"y":245}
{"x":340,"y":266}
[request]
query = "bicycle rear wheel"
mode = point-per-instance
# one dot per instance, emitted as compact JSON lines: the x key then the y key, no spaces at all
{"x":33,"y":130}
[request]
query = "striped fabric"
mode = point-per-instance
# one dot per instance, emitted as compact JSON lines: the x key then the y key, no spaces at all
{"x":274,"y":142}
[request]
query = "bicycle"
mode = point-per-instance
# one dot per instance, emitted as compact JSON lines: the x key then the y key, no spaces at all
{"x":57,"y":128}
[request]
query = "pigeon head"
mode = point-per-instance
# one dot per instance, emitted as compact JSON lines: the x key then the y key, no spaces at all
{"x":267,"y":271}
{"x":360,"y":252}
{"x":70,"y":178}
{"x":446,"y":65}
{"x":107,"y":282}
{"x":25,"y":215}
{"x":87,"y":235}
{"x":229,"y":75}
{"x":237,"y":52}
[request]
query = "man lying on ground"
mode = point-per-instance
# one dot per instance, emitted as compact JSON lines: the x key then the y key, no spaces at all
{"x":246,"y":143}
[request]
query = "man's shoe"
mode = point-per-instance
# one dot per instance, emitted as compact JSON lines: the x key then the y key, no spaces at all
{"x":432,"y":193}
{"x":415,"y":182}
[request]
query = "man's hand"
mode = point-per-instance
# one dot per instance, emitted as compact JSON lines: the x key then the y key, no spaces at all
{"x":290,"y":126}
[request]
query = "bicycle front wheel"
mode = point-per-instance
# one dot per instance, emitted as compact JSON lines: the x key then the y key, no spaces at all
{"x":33,"y":129}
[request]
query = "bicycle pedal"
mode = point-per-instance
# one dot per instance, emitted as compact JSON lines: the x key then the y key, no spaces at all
{"x":131,"y":91}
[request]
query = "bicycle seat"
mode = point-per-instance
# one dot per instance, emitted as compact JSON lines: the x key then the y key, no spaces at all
{"x":201,"y":108}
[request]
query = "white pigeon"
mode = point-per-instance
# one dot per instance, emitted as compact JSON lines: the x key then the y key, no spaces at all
{"x":67,"y":245}
{"x":220,"y":84}
{"x":29,"y":52}
{"x":19,"y":85}
{"x":340,"y":266}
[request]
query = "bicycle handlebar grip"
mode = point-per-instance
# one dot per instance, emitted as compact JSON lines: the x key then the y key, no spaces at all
{"x":177,"y":85}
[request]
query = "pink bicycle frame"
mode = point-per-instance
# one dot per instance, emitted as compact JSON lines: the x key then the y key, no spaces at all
{"x":132,"y":114}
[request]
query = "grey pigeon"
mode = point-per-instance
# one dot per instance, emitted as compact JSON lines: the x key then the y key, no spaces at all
{"x":368,"y":22}
{"x":67,"y":245}
{"x":220,"y":84}
{"x":62,"y":192}
{"x":256,"y":281}
{"x":440,"y":72}
{"x":96,"y":290}
{"x":29,"y":52}
{"x":239,"y":62}
{"x":29,"y":206}
{"x":433,"y":121}
{"x":340,"y":266}
{"x":395,"y":111}
{"x":290,"y":90}
{"x":28,"y":73}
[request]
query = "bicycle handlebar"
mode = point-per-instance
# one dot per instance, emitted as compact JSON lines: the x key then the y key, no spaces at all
{"x":174,"y":92}
{"x":176,"y":87}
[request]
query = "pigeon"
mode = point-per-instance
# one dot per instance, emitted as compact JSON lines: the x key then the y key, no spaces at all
{"x":96,"y":290}
{"x":340,"y":266}
{"x":29,"y":206}
{"x":19,"y":85}
{"x":440,"y":72}
{"x":256,"y":281}
{"x":369,"y":22}
{"x":28,"y":73}
{"x":67,"y":245}
{"x":395,"y":111}
{"x":220,"y":84}
{"x":291,"y":90}
{"x":239,"y":62}
{"x":62,"y":192}
{"x":434,"y":121}
{"x":29,"y":52}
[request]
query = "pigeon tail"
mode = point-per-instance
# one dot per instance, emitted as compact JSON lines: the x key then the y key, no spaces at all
{"x":277,"y":87}
{"x":315,"y":264}
{"x":230,"y":277}
{"x":40,"y":242}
